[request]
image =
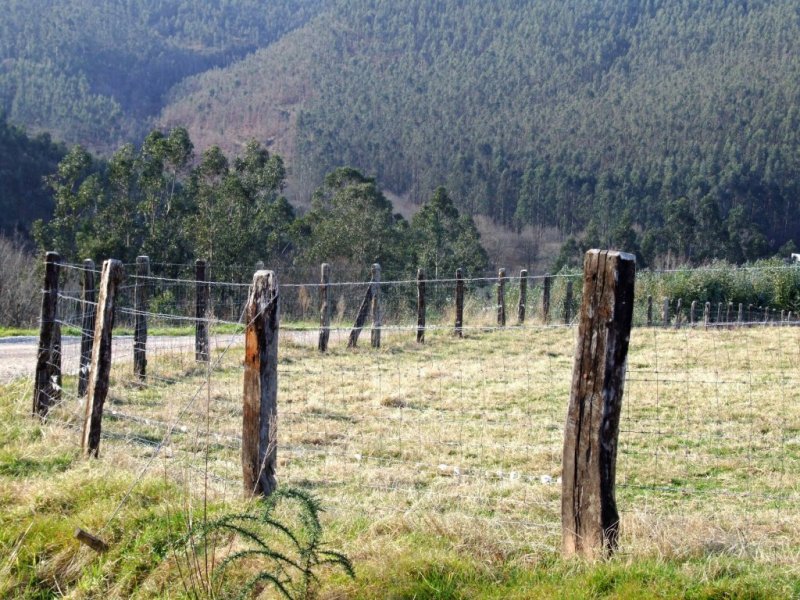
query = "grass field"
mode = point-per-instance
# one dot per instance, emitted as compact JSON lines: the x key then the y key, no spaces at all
{"x":438,"y":465}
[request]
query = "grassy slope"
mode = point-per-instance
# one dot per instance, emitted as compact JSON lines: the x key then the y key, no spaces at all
{"x":46,"y":490}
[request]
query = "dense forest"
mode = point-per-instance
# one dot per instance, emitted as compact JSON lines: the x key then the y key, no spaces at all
{"x":671,"y":129}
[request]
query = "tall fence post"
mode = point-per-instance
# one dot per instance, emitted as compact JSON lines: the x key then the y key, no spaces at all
{"x":361,"y":317}
{"x":420,"y":306}
{"x":501,"y":298}
{"x":112,"y":275}
{"x":141,"y":306}
{"x":377,"y":310}
{"x":590,"y":522}
{"x":568,"y":304}
{"x":47,"y":384}
{"x":546,"y":287}
{"x":324,"y":308}
{"x":459,"y":303}
{"x":260,"y":389}
{"x":523,"y":296}
{"x":88,"y":299}
{"x":649,"y":311}
{"x":202,"y":294}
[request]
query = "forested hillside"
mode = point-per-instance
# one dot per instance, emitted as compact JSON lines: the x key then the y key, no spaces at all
{"x":95,"y":72}
{"x":667,"y":127}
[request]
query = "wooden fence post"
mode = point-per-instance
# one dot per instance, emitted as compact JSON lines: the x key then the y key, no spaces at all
{"x":88,"y":299}
{"x":568,"y":304}
{"x":377,"y":310}
{"x":420,"y":306}
{"x":361,"y":317}
{"x":649,"y":311}
{"x":590,"y":522}
{"x":47,"y":384}
{"x":501,"y":298}
{"x":665,"y":315}
{"x":523,"y":296}
{"x":459,"y":303}
{"x":750,"y":314}
{"x":546,"y":287}
{"x":202,"y":294}
{"x":260,"y":389}
{"x":740,"y":316}
{"x":766,"y":314}
{"x":141,"y":306}
{"x":719,"y":312}
{"x":707,"y":314}
{"x":729,"y":313}
{"x":692,"y":311}
{"x":324,"y":308}
{"x":112,"y":275}
{"x":679,"y":313}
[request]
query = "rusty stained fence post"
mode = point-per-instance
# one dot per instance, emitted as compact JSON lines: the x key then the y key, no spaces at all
{"x":47,"y":382}
{"x":546,"y":287}
{"x":523,"y":296}
{"x":324,"y":308}
{"x":260,"y":386}
{"x":377,"y":310}
{"x":88,"y":305}
{"x":141,"y":306}
{"x":501,"y":298}
{"x":112,"y":275}
{"x":420,"y":306}
{"x":590,"y":521}
{"x":459,"y":330}
{"x":202,"y":297}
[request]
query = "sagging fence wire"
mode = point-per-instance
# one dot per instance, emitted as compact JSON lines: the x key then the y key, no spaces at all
{"x":461,"y":428}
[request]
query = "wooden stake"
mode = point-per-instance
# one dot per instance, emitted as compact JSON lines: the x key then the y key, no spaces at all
{"x":459,"y":303}
{"x":546,"y":287}
{"x":202,"y":296}
{"x":260,"y":389}
{"x":94,"y":542}
{"x":112,"y":275}
{"x":420,"y":306}
{"x":88,"y":299}
{"x":142,"y":305}
{"x":523,"y":296}
{"x":361,"y":318}
{"x":501,"y":298}
{"x":47,"y":382}
{"x":590,"y":522}
{"x":377,"y":311}
{"x":324,"y":308}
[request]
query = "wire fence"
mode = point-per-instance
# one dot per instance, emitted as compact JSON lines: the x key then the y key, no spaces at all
{"x":461,"y":434}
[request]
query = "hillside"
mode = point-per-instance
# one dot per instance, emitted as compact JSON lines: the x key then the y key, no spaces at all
{"x":540,"y":113}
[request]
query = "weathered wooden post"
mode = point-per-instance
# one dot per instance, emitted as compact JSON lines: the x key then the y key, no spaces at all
{"x":523,"y":296}
{"x":377,"y":310}
{"x":740,"y":315}
{"x":546,"y":287}
{"x":501,"y":298}
{"x":665,"y":315}
{"x":361,"y":317}
{"x":47,"y":383}
{"x":112,"y":275}
{"x":692,"y":311}
{"x":202,"y":296}
{"x":88,"y":299}
{"x":649,"y":311}
{"x":750,"y":314}
{"x":766,"y":314}
{"x":420,"y":306}
{"x":729,"y":314}
{"x":260,"y":389}
{"x":141,"y":306}
{"x":459,"y":303}
{"x":719,"y":313}
{"x":324,"y":308}
{"x":679,"y":313}
{"x":590,"y":522}
{"x":707,"y":314}
{"x":568,"y":304}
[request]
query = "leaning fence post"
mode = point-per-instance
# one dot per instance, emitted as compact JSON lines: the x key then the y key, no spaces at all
{"x":88,"y":298}
{"x":47,"y":385}
{"x":420,"y":306}
{"x":112,"y":275}
{"x":202,"y":293}
{"x":649,"y":311}
{"x":260,"y":389}
{"x":324,"y":308}
{"x":459,"y":303}
{"x":141,"y":306}
{"x":361,"y":317}
{"x":568,"y":304}
{"x":547,"y":285}
{"x":377,"y":311}
{"x":590,"y":522}
{"x":523,"y":296}
{"x":501,"y":298}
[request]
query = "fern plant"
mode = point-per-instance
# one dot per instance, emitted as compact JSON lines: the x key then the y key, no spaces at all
{"x":288,"y":552}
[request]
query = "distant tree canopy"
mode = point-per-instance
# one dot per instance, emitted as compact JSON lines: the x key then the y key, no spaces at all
{"x":160,"y":201}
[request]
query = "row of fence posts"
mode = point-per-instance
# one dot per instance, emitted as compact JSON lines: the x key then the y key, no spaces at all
{"x":590,"y":521}
{"x":725,"y":314}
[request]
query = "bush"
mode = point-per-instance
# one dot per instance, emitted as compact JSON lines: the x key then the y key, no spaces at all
{"x":20,"y":289}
